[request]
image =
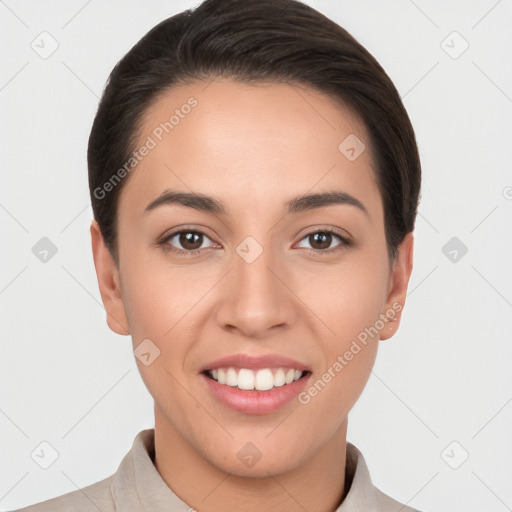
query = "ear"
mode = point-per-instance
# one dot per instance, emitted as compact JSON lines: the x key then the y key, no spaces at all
{"x":397,"y":288}
{"x":109,"y":283}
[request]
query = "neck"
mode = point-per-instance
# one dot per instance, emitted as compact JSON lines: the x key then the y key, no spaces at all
{"x":316,"y":486}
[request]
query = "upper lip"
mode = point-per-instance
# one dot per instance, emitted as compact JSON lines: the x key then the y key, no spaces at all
{"x":252,"y":362}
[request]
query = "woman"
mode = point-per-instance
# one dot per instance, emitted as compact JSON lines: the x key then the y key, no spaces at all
{"x":254,"y":179}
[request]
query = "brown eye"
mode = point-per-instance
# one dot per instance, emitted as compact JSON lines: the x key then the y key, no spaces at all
{"x":187,"y":242}
{"x":321,"y":241}
{"x":190,"y":240}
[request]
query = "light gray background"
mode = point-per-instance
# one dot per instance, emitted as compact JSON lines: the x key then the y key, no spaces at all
{"x":66,"y":379}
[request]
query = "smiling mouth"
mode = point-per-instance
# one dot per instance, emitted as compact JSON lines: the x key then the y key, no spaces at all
{"x":255,"y":380}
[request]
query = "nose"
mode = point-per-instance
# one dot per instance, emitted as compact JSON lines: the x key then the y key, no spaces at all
{"x":257,"y":294}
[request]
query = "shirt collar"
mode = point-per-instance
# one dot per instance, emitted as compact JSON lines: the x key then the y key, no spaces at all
{"x":137,"y":481}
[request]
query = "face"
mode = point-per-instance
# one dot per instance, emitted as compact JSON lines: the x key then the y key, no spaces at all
{"x":256,"y":275}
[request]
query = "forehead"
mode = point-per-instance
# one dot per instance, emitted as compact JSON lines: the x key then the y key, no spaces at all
{"x":254,"y":146}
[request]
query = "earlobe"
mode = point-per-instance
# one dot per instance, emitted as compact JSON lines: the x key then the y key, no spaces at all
{"x":108,"y":282}
{"x":398,"y":283}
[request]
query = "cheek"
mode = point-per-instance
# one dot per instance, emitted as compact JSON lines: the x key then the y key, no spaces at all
{"x":158,"y":295}
{"x":346,"y":298}
{"x":162,"y":303}
{"x":349,"y":356}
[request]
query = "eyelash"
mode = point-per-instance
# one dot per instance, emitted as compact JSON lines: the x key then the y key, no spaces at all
{"x":345,"y":242}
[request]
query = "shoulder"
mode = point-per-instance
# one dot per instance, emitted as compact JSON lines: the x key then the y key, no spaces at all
{"x":386,"y":503}
{"x":362,"y":493}
{"x":120,"y":491}
{"x":94,"y":497}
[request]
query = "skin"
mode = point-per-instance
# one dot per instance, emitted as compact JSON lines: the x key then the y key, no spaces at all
{"x":254,"y":147}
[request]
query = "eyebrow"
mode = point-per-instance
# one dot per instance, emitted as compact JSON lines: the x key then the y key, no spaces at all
{"x":298,"y":204}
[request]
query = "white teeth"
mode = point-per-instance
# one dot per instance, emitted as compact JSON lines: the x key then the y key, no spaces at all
{"x":279,"y":378}
{"x":264,"y":380}
{"x":245,"y":379}
{"x":260,"y":380}
{"x":231,"y":379}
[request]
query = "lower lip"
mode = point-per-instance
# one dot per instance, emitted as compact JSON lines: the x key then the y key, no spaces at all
{"x":255,"y":402}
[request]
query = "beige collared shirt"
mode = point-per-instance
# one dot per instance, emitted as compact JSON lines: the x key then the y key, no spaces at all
{"x":137,"y":486}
